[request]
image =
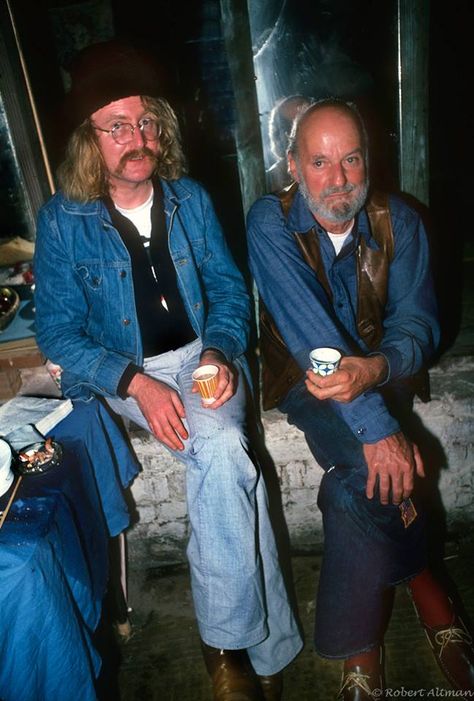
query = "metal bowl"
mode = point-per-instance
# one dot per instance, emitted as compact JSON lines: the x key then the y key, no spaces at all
{"x":36,"y":458}
{"x":9,"y":303}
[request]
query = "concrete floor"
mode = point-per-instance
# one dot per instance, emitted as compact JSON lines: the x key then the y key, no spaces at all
{"x":162,"y":661}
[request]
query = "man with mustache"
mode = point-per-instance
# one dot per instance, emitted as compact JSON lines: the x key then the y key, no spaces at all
{"x":336,"y":267}
{"x":136,"y":288}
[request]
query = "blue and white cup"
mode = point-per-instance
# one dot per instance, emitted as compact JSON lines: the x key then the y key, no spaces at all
{"x":325,"y":361}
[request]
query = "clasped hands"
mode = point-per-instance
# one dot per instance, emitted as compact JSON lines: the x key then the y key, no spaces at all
{"x":162,"y":407}
{"x":393,"y":460}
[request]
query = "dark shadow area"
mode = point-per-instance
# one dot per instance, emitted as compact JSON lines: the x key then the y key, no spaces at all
{"x":451,"y":149}
{"x":276,"y":513}
{"x":105,"y":642}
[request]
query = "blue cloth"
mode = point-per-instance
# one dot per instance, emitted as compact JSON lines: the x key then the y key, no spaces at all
{"x":307,"y":319}
{"x":238,"y":590}
{"x":85,"y":309}
{"x":53,"y":561}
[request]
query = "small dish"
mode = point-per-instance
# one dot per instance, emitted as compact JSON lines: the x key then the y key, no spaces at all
{"x":38,"y":458}
{"x":9,"y":303}
{"x":6,"y":474}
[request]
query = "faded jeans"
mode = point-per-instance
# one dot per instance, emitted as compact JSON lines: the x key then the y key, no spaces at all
{"x":239,"y":595}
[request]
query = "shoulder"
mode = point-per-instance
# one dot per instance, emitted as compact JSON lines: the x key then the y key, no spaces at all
{"x":265,"y":210}
{"x":183,"y":188}
{"x":59,"y":206}
{"x":402,"y":213}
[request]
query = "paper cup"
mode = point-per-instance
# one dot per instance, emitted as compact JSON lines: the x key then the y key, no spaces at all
{"x":324,"y":361}
{"x":206,"y":379}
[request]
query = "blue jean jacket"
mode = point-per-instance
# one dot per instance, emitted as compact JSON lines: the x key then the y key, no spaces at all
{"x":85,"y":308}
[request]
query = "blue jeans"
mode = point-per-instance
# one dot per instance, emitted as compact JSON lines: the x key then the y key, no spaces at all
{"x":367,"y":549}
{"x":238,"y":590}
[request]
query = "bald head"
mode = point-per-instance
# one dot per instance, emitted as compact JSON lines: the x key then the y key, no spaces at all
{"x":317,"y":115}
{"x":327,"y":157}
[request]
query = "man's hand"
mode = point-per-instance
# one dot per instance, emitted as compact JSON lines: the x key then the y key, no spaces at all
{"x":394,"y":461}
{"x":162,"y":408}
{"x":353,"y":377}
{"x":227,"y":378}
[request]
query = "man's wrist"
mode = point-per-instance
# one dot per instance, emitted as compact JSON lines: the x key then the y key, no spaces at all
{"x":129,"y":373}
{"x":379,"y":367}
{"x":213,"y":354}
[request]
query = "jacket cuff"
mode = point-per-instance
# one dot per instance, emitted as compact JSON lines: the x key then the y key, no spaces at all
{"x":129,"y":373}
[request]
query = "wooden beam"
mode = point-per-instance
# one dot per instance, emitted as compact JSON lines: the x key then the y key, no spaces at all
{"x":236,"y":29}
{"x":413,"y":94}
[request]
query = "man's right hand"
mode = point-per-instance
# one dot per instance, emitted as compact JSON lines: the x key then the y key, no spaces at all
{"x":394,"y":461}
{"x":162,"y":408}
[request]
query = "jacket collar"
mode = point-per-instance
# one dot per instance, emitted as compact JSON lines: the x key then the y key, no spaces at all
{"x":174,"y":192}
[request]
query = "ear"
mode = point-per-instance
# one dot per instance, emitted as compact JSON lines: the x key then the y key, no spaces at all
{"x":292,"y":169}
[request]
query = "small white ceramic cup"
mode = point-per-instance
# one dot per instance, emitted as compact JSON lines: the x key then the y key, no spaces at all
{"x":324,"y":361}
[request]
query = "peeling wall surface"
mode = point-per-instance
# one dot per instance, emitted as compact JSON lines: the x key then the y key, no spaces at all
{"x":161,"y":531}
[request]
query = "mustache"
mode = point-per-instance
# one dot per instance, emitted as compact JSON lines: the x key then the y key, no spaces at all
{"x":136,"y":153}
{"x":344,"y":190}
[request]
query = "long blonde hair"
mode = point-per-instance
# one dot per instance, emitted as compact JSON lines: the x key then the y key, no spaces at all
{"x":83,"y":176}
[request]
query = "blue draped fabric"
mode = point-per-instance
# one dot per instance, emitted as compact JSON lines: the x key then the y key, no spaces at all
{"x":53,"y":561}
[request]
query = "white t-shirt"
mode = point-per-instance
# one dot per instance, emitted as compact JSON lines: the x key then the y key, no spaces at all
{"x":338,"y":240}
{"x":141,"y":217}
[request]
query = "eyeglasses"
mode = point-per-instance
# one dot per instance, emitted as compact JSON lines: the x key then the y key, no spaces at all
{"x":123,"y":132}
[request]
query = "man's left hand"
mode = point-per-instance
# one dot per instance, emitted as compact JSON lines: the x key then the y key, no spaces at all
{"x":227,"y":378}
{"x":353,"y":377}
{"x":392,"y":462}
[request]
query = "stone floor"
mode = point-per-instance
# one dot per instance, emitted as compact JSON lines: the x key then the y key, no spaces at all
{"x":162,"y":662}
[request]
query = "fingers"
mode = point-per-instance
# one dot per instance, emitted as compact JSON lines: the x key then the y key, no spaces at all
{"x":226,"y":386}
{"x":391,"y":461}
{"x":384,"y":487}
{"x":370,"y":486}
{"x":419,"y":466}
{"x":164,"y":411}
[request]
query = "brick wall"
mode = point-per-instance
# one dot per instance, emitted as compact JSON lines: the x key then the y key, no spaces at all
{"x":161,"y":530}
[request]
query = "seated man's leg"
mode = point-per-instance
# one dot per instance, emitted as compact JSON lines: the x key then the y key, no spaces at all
{"x":366,"y":549}
{"x":238,"y":590}
{"x":239,"y":593}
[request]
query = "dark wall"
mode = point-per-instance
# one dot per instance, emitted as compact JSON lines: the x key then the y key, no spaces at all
{"x":451,"y":156}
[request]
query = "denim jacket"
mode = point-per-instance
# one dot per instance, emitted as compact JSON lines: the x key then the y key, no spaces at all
{"x":85,"y":308}
{"x":306,"y":318}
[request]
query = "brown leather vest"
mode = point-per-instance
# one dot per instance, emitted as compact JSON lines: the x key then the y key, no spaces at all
{"x":279,"y":370}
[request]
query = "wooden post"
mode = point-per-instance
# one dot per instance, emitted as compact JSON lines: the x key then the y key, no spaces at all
{"x":413,"y":38}
{"x":236,"y":29}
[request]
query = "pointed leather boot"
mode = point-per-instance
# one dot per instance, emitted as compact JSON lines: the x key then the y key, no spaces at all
{"x":363,"y":682}
{"x":454,"y":652}
{"x":232,"y":675}
{"x":272,"y":686}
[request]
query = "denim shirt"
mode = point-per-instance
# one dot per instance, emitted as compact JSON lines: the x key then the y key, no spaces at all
{"x":307,"y":319}
{"x":85,"y":309}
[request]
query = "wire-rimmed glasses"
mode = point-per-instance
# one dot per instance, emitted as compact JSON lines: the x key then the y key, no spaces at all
{"x":123,"y":132}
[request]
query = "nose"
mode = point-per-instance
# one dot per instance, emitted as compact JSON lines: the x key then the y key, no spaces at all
{"x":138,"y":137}
{"x":338,"y":175}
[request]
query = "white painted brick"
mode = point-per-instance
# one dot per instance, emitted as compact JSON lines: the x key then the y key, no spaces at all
{"x":159,"y":491}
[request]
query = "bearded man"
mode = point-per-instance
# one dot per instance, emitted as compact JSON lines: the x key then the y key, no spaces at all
{"x":135,"y":289}
{"x":339,"y":269}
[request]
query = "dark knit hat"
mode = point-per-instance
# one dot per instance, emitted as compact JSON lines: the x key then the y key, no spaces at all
{"x":108,"y":71}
